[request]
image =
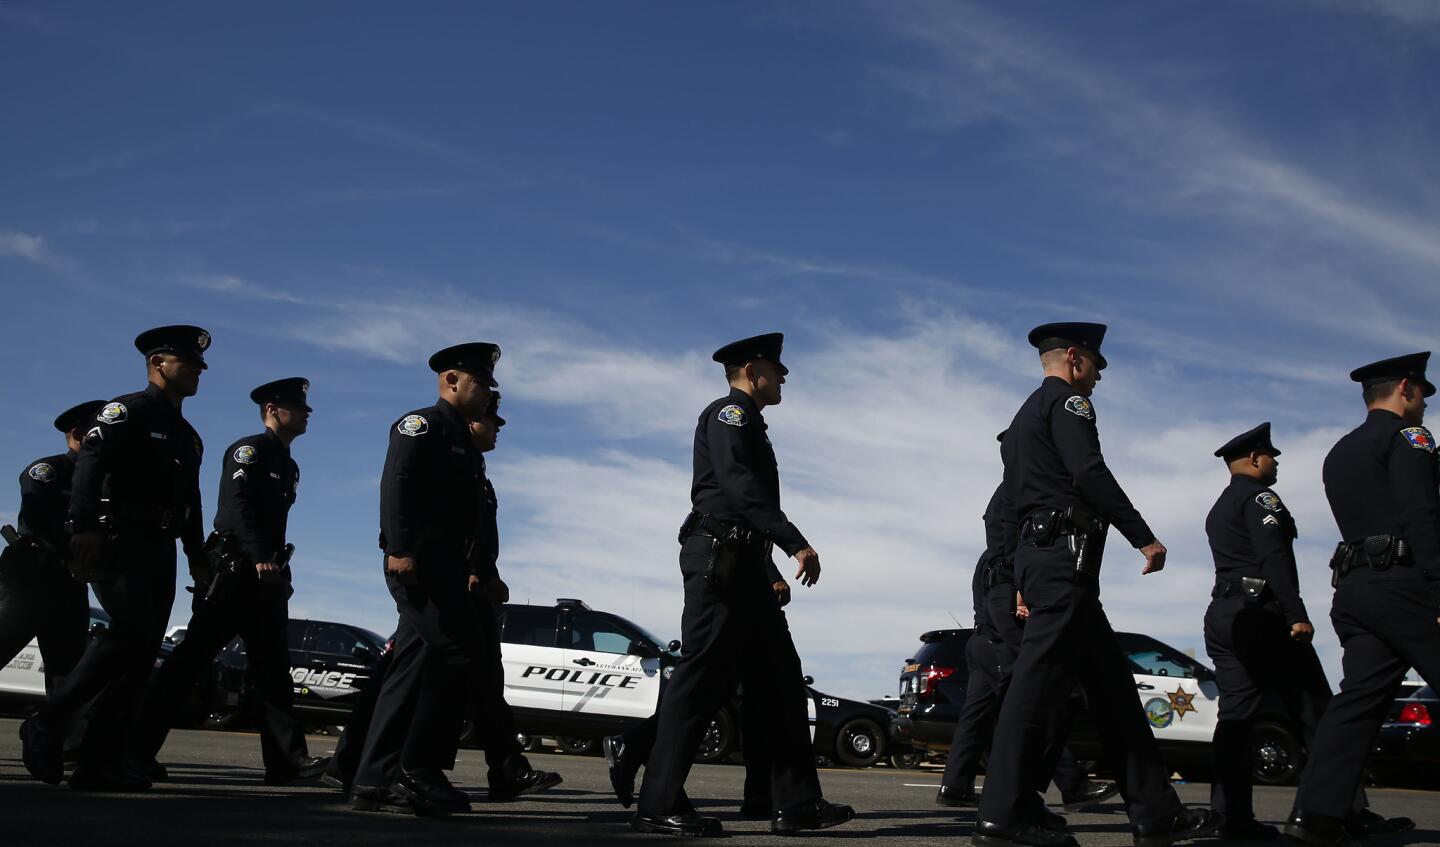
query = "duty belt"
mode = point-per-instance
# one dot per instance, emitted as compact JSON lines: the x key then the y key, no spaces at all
{"x":999,"y":572}
{"x":697,"y":523}
{"x":1084,"y":532}
{"x":1377,"y":552}
{"x":1249,"y":587}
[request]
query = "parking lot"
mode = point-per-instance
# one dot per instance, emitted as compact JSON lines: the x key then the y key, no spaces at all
{"x":216,"y":797}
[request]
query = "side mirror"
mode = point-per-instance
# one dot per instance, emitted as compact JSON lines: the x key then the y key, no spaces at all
{"x":673,"y":646}
{"x":643,"y":650}
{"x":809,"y":680}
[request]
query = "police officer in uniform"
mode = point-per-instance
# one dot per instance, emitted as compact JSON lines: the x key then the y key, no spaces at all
{"x":733,"y":630}
{"x":990,"y":655}
{"x":1381,"y":480}
{"x":245,"y":591}
{"x":135,"y":490}
{"x":430,"y":493}
{"x":1064,"y":499}
{"x":39,"y":598}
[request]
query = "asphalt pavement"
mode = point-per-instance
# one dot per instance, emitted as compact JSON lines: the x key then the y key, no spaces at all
{"x":216,"y":796}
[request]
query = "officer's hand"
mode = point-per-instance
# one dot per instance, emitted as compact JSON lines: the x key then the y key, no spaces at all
{"x":402,"y":568}
{"x":496,"y":590}
{"x":809,"y":561}
{"x":1022,"y":611}
{"x":267,"y":572}
{"x":1154,"y":554}
{"x":85,"y":555}
{"x":782,"y":592}
{"x":473,"y":583}
{"x":1302,"y":632}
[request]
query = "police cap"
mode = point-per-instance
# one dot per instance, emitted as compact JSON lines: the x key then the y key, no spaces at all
{"x":290,"y":391}
{"x":1410,"y":367}
{"x":747,"y":350}
{"x":1059,"y":336}
{"x":183,"y":340}
{"x":476,"y":358}
{"x":1256,"y":440}
{"x":77,"y":416}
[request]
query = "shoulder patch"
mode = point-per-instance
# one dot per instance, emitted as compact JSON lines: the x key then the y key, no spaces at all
{"x":732,"y":415}
{"x":413,"y":425}
{"x":245,"y":454}
{"x":42,"y":472}
{"x":1269,"y":502}
{"x":1419,"y":438}
{"x":1078,"y":405}
{"x":112,"y":413}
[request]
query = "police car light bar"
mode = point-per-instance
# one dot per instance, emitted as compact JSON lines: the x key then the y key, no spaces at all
{"x":571,"y":603}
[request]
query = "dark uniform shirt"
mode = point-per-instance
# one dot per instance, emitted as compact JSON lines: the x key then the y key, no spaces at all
{"x":140,"y":467}
{"x":484,"y":563}
{"x":1251,"y":534}
{"x":430,"y":488}
{"x":45,"y":500}
{"x":1381,"y":479}
{"x":1001,"y":536}
{"x":258,"y":484}
{"x":1052,"y":460}
{"x":736,"y":477}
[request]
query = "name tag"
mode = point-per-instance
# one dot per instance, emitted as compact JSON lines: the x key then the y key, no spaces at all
{"x":159,"y":435}
{"x":460,"y":450}
{"x":274,"y":475}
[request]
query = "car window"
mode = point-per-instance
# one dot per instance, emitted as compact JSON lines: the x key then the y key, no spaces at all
{"x":600,"y":634}
{"x":1148,"y":656}
{"x":948,"y":650}
{"x":295,"y":635}
{"x":334,"y":639}
{"x":528,"y":625}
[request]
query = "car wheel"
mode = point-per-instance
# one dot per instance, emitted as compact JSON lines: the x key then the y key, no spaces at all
{"x":859,"y":743}
{"x":719,"y":740}
{"x":1275,"y":754}
{"x":528,"y":743}
{"x":906,"y":761}
{"x":578,"y":746}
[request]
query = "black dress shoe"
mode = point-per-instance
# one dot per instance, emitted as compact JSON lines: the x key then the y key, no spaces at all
{"x":305,"y":767}
{"x":756,"y":810}
{"x":430,"y":792}
{"x":42,"y":752}
{"x":1368,"y":824}
{"x":689,"y":824}
{"x":955,"y":795}
{"x":332,"y":780}
{"x":816,"y":814}
{"x":529,"y":781}
{"x":1187,"y":824}
{"x":373,"y":798}
{"x":1248,"y":830}
{"x":622,"y":776}
{"x":1053,"y":821}
{"x":1094,"y":793}
{"x":989,"y":834}
{"x":1318,"y":830}
{"x":158,"y":772}
{"x":93,"y":778}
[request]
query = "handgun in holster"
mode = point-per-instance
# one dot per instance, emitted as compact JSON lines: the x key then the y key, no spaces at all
{"x":25,"y":554}
{"x":225,"y":565}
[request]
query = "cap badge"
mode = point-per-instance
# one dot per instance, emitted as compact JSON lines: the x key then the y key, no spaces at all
{"x":203,"y":342}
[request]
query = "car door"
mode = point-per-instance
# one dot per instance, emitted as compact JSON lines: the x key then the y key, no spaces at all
{"x":603,"y":678}
{"x":332,"y":668}
{"x":532,"y":658}
{"x":1178,"y":694}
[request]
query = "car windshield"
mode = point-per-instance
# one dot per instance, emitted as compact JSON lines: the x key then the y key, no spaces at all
{"x":1151,"y":657}
{"x":376,"y":641}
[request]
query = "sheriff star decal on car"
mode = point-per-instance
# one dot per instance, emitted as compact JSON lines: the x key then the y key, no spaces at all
{"x":1182,"y":701}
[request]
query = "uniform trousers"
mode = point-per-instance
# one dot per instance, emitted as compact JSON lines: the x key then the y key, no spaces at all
{"x":1068,"y":639}
{"x":741,"y":638}
{"x":1387,"y":624}
{"x":41,"y":600}
{"x":1257,"y":660}
{"x":258,"y":612}
{"x":137,"y":591}
{"x":346,"y":758}
{"x":434,"y":674}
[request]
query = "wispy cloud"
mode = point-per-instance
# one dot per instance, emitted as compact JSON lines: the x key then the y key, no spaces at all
{"x":236,"y":286}
{"x":35,"y":249}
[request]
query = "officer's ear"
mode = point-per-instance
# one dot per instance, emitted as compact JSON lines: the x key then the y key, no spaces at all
{"x":155,"y":361}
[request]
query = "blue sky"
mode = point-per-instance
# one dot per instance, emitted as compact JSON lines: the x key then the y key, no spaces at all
{"x":1247,"y":193}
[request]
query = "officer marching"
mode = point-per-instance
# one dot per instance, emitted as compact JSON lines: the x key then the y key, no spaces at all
{"x":1383,"y":485}
{"x":39,"y":597}
{"x":135,"y":490}
{"x":430,"y":492}
{"x":245,"y":591}
{"x":733,"y":629}
{"x":1064,"y":499}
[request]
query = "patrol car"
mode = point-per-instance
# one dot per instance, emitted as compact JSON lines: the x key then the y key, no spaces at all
{"x":1178,"y":694}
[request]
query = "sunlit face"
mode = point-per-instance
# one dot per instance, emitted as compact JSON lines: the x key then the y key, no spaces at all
{"x":181,"y":375}
{"x":485,"y":432}
{"x":1268,"y":465}
{"x":293,"y":419}
{"x":468,"y":393}
{"x":766,"y":379}
{"x":1413,"y":394}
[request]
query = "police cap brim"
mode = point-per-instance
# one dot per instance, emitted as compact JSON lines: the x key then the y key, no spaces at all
{"x":78,"y":415}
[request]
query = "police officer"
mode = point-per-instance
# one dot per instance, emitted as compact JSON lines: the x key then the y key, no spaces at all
{"x":430,"y":493}
{"x":509,"y":772}
{"x":1064,"y":499}
{"x":245,"y":591}
{"x":990,"y":655}
{"x":135,"y":490}
{"x":732,"y":628}
{"x":1381,"y":480}
{"x":39,"y":598}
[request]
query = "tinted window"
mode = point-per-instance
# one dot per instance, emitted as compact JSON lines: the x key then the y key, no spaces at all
{"x":528,"y":625}
{"x":295,"y":635}
{"x":600,"y":633}
{"x":334,"y":639}
{"x":947,"y":652}
{"x":1148,"y":656}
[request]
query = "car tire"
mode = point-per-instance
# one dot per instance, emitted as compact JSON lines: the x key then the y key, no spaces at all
{"x":859,"y":743}
{"x":906,"y":761}
{"x":578,"y":746}
{"x":529,"y":743}
{"x":719,"y":740}
{"x":1275,"y":753}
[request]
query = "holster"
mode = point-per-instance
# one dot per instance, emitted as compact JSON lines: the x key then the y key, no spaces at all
{"x":1377,"y":552}
{"x":1085,"y":534}
{"x":734,"y":550}
{"x":1253,"y":587}
{"x":227,"y":566}
{"x":998,"y":572}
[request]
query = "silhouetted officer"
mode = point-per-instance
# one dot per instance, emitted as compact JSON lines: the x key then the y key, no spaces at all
{"x":1381,"y":480}
{"x":135,"y":490}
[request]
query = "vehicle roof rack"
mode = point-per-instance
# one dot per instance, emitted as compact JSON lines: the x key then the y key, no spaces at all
{"x":571,"y":603}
